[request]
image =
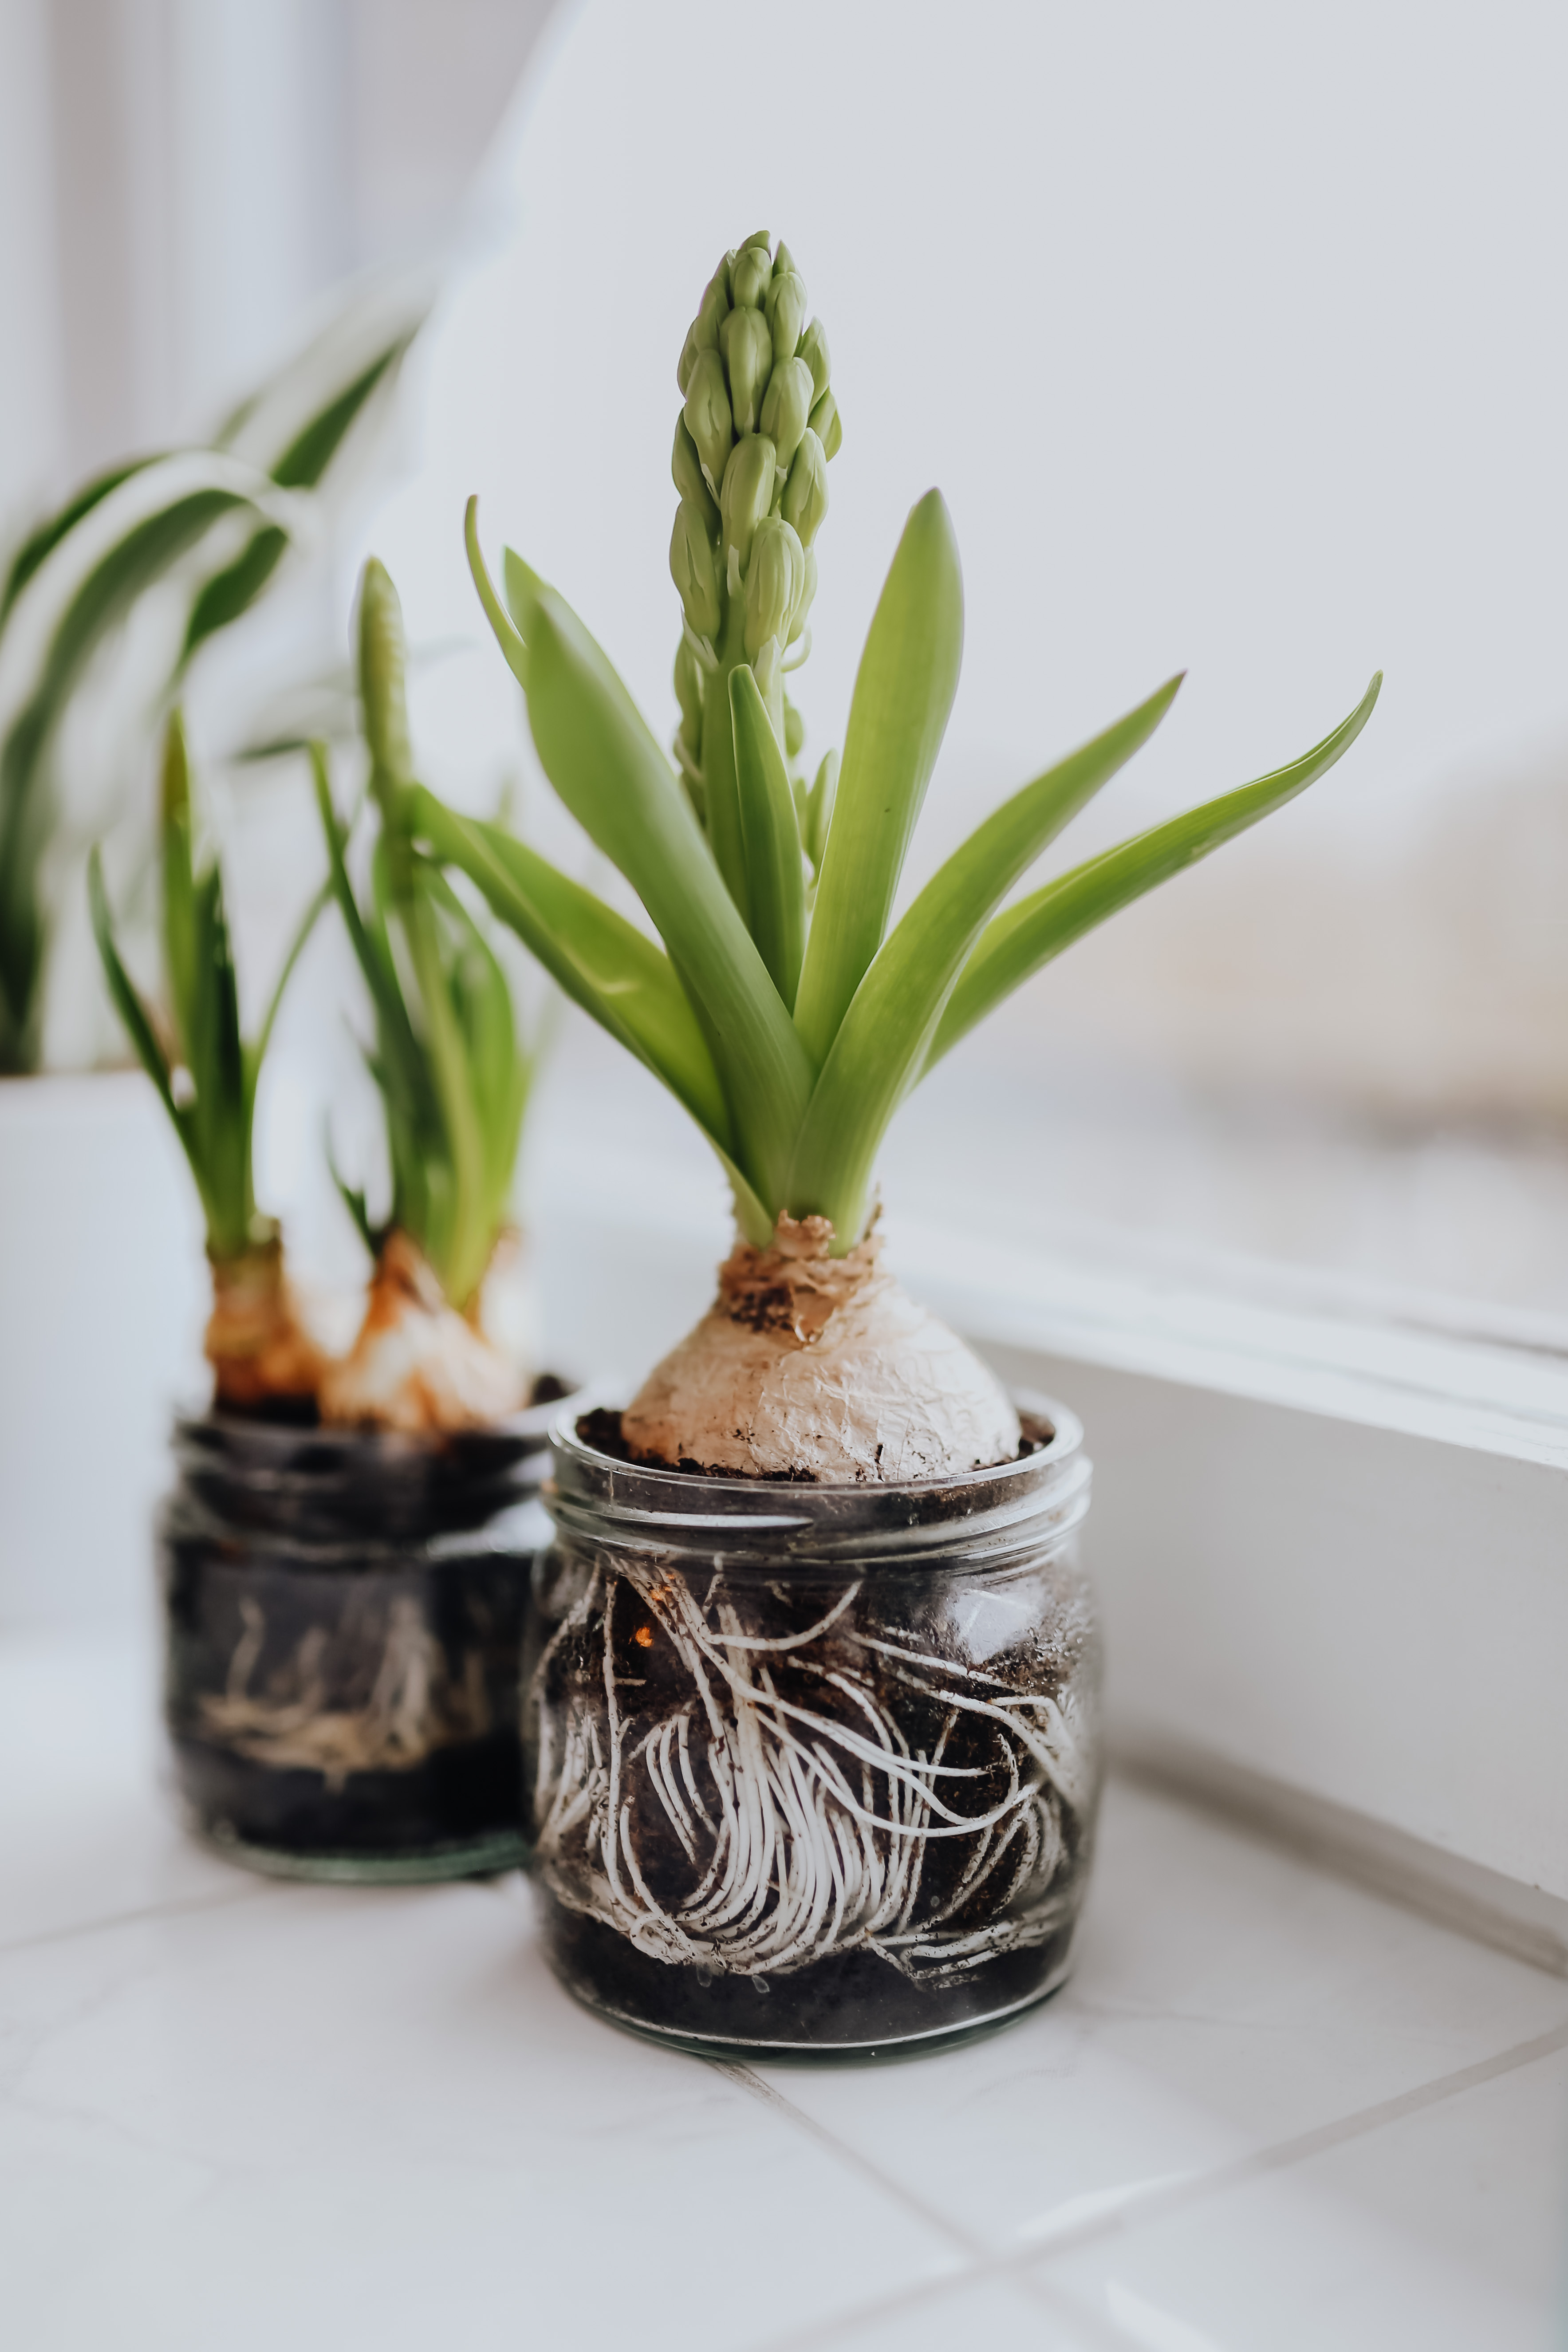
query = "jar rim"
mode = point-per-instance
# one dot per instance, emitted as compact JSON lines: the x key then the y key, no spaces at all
{"x":749,"y":1522}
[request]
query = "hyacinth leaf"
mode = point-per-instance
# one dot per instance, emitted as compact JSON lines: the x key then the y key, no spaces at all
{"x":598,"y":754}
{"x":507,"y":635}
{"x":461,"y":1251}
{"x":596,"y":957}
{"x":771,"y":832}
{"x":127,"y":1001}
{"x":884,"y":1038}
{"x":903,"y":693}
{"x":1024,"y":937}
{"x":400,"y":1064}
{"x":179,"y":882}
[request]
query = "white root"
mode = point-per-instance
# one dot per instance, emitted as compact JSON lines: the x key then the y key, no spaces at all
{"x":804,"y":1833}
{"x":414,"y":1706}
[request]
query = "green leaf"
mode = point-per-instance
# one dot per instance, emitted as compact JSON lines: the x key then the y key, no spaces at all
{"x":232,"y":592}
{"x":308,"y":455}
{"x":499,"y":619}
{"x":903,"y":693}
{"x":179,"y":882}
{"x":106,"y":594}
{"x":127,"y":1002}
{"x":884,"y":1037}
{"x":1028,"y":935}
{"x":598,"y":754}
{"x":40,"y":544}
{"x":461,"y":1254}
{"x":771,"y":834}
{"x":594,"y":956}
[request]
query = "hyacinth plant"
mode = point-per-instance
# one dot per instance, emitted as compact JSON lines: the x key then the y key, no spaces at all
{"x":793,"y":1018}
{"x":218,"y":517}
{"x":453,"y":1079}
{"x":205,"y":1073}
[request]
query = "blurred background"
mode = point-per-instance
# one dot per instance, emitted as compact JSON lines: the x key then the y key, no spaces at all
{"x":1235,"y":338}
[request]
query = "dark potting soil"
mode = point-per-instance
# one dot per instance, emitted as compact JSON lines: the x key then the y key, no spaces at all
{"x":852,"y":2000}
{"x":463,"y":1792}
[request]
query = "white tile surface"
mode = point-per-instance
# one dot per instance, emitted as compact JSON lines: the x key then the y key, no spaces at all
{"x":1226,"y":1997}
{"x":82,"y":1836}
{"x":1443,"y":2232}
{"x":237,"y":2115}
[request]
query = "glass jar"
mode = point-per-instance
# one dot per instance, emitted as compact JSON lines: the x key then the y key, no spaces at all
{"x":812,"y":1767}
{"x":343,"y":1617}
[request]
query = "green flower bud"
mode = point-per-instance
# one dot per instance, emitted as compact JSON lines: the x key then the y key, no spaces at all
{"x":694,"y":569}
{"x":749,"y":279}
{"x":825,"y":426}
{"x":784,"y":311}
{"x":806,"y":492}
{"x":747,"y":495}
{"x":794,"y":729}
{"x":803,"y":602}
{"x":686,"y":472}
{"x":814,"y":351}
{"x":773,"y":583}
{"x":688,"y":693}
{"x":782,"y":259}
{"x":703,"y":332}
{"x":381,"y":666}
{"x":748,"y":349}
{"x":787,"y":406}
{"x":759,"y":236}
{"x":707,"y":416}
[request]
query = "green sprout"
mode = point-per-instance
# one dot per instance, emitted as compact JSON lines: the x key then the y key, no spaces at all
{"x":453,"y":1077}
{"x":80,"y":574}
{"x":206,"y":1078}
{"x":792,"y":1030}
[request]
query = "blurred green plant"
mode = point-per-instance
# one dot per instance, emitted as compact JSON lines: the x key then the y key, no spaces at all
{"x":77,"y":578}
{"x":453,"y":1076}
{"x":793,"y":1031}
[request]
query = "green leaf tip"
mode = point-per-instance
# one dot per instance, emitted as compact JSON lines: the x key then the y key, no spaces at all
{"x":506,"y":632}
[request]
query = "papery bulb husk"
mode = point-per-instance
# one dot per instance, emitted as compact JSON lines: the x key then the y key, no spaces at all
{"x":417,"y":1365}
{"x":808,"y":1366}
{"x":259,"y":1350}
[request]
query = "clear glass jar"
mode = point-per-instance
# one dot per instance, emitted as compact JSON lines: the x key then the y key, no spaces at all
{"x":343,"y":1615}
{"x":812,"y":1768}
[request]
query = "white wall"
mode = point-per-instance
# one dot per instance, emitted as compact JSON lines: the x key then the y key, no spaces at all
{"x":1233,"y":335}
